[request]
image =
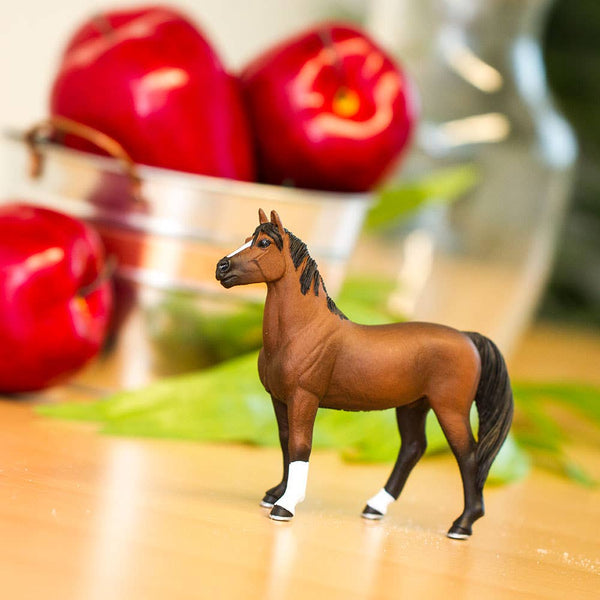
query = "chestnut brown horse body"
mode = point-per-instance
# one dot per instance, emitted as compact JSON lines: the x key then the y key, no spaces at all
{"x":313,"y":356}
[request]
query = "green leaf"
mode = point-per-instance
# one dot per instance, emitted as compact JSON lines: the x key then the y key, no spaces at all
{"x":582,"y":398}
{"x":224,"y":403}
{"x":511,"y":463}
{"x":546,"y":436}
{"x":188,"y":332}
{"x":578,"y":474}
{"x":227,"y":403}
{"x":365,"y":300}
{"x":441,"y":187}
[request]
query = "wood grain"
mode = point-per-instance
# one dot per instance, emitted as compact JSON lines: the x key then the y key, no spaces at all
{"x":84,"y":516}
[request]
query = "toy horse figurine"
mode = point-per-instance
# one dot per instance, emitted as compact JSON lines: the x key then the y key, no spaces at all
{"x":313,"y":356}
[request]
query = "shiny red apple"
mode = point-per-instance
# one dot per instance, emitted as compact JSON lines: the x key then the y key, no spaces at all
{"x":329,"y":109}
{"x":55,"y":298}
{"x":149,"y":79}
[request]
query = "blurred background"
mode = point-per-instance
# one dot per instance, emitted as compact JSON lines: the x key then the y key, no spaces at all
{"x":503,"y":169}
{"x":33,"y":35}
{"x":572,"y":52}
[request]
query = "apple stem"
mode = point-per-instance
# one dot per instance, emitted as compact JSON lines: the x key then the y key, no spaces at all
{"x":103,"y":25}
{"x":327,"y":41}
{"x":105,"y":274}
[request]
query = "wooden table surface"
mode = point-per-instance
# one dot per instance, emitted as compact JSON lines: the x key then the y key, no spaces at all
{"x":85,"y":516}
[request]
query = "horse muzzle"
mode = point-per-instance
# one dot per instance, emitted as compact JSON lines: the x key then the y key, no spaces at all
{"x":223,"y":273}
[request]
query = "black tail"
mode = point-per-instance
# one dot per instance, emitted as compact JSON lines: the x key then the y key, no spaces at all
{"x":494,"y":401}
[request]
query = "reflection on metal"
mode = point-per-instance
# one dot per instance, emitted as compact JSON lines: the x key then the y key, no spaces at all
{"x":463,"y":61}
{"x":492,"y":127}
{"x":479,"y":129}
{"x":418,"y":251}
{"x":556,"y":140}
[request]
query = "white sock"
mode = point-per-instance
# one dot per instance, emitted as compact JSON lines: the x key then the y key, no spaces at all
{"x":296,"y":486}
{"x":380,"y":501}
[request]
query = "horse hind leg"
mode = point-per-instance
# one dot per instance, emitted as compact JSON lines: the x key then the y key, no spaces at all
{"x":457,"y":429}
{"x":411,"y":421}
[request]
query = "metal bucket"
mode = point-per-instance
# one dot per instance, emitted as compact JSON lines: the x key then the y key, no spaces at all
{"x":167,"y":230}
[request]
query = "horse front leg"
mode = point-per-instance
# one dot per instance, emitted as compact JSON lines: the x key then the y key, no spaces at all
{"x":301,"y":410}
{"x":281,"y":414}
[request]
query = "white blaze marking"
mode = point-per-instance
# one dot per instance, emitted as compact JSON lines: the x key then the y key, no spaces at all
{"x":246,"y":245}
{"x":296,"y":486}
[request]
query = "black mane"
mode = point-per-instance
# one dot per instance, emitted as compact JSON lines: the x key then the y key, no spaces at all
{"x":310,"y":276}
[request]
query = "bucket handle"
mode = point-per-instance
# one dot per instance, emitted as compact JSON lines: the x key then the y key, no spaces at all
{"x":44,"y":130}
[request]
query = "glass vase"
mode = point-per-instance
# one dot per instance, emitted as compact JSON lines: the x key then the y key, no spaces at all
{"x":479,"y":263}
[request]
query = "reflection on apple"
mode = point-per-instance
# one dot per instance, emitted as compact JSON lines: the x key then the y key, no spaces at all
{"x":329,"y":110}
{"x":149,"y":79}
{"x":55,"y":297}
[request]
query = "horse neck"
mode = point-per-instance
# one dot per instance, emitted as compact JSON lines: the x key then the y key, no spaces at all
{"x":288,"y":313}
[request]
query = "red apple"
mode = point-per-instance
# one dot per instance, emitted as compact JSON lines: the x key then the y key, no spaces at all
{"x":329,"y":109}
{"x":149,"y":79}
{"x":55,"y":298}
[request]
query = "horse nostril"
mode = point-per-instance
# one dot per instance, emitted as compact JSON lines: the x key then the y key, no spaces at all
{"x":223,"y":266}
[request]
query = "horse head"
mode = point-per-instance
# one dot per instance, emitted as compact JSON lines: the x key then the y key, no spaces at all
{"x":260,"y":259}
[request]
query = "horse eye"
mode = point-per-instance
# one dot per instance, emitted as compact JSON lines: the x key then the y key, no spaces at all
{"x":264,"y":243}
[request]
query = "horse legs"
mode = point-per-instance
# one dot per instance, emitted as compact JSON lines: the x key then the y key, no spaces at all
{"x":302,"y":410}
{"x":273,"y":494}
{"x":411,"y":424}
{"x":457,"y":429}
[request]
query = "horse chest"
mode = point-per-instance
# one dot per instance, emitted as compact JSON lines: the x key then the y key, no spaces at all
{"x":284,"y":370}
{"x":279,"y":375}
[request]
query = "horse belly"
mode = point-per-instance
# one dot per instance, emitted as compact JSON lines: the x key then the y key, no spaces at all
{"x":373,"y":379}
{"x":355,"y":402}
{"x":388,"y":366}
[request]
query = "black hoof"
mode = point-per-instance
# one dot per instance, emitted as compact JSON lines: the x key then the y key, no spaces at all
{"x":268,"y":501}
{"x":456,"y":532}
{"x":371,"y":513}
{"x":278,"y":513}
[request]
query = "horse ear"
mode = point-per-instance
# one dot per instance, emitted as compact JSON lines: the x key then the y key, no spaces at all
{"x":262,"y":217}
{"x":277,"y":221}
